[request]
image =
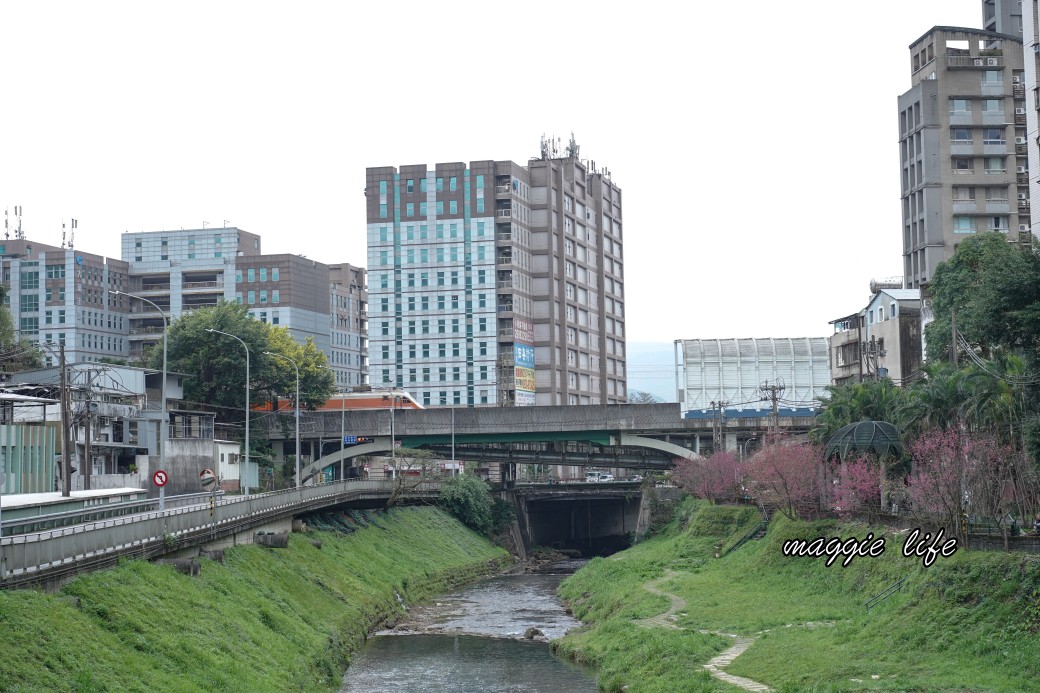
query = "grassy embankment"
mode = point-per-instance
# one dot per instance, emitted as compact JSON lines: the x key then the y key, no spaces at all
{"x":267,"y":620}
{"x":967,"y":623}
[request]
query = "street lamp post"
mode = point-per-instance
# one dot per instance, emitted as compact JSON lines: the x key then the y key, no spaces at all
{"x":279,"y":356}
{"x":245,"y":466}
{"x":745,"y":447}
{"x":164,"y":428}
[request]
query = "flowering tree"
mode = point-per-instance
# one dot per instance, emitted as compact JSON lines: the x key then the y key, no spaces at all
{"x":935,"y":487}
{"x":787,"y":476}
{"x":857,"y":487}
{"x":714,"y":478}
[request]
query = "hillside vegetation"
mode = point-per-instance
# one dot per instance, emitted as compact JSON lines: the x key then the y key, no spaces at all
{"x":967,"y":623}
{"x":267,"y":620}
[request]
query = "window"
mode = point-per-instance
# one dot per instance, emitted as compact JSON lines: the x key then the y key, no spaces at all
{"x":994,"y":165}
{"x":964,"y":193}
{"x":993,"y":136}
{"x":238,"y":276}
{"x":274,"y":274}
{"x":453,"y":206}
{"x":963,"y":164}
{"x":263,"y":296}
{"x":482,"y":325}
{"x":422,"y":185}
{"x":251,"y":298}
{"x":263,"y":274}
{"x":998,"y":224}
{"x":960,"y":136}
{"x":964,"y":225}
{"x":992,"y":78}
{"x":440,"y":206}
{"x":251,"y":274}
{"x":959,"y":107}
{"x":410,"y":209}
{"x":422,"y":209}
{"x":382,"y":215}
{"x":274,"y":296}
{"x":480,"y":209}
{"x":453,"y":184}
{"x":992,"y":106}
{"x":440,"y":185}
{"x":409,"y":185}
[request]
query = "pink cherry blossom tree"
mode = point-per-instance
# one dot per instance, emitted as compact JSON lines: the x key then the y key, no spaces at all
{"x":714,"y":478}
{"x":788,"y":477}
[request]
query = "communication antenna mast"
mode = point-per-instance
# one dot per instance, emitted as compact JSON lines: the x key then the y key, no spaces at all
{"x":18,"y":214}
{"x":72,"y":232}
{"x":7,"y":229}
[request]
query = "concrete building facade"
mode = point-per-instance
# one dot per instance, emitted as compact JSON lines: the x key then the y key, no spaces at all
{"x":187,"y":269}
{"x":497,"y":284}
{"x":962,"y":142}
{"x":61,"y":296}
{"x":884,"y":339}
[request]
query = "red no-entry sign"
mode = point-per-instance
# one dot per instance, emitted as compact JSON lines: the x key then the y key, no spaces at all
{"x":160,"y":478}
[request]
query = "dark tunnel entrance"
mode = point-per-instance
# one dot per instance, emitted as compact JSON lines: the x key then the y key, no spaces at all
{"x":589,"y":526}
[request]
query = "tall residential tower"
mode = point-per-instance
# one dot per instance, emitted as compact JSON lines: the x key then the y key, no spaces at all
{"x":494,"y":283}
{"x":962,"y":145}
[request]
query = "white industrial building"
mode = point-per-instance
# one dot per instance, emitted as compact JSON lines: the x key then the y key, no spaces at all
{"x":735,"y":371}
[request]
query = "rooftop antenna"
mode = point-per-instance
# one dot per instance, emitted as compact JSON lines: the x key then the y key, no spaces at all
{"x":204,"y":224}
{"x":572,"y":148}
{"x":18,"y":213}
{"x":72,"y":232}
{"x":7,"y":230}
{"x":226,"y":223}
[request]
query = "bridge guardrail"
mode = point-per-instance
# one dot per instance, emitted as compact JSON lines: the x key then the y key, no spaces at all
{"x":44,"y":550}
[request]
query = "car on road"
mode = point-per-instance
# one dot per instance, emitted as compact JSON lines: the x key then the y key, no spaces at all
{"x":606,"y":477}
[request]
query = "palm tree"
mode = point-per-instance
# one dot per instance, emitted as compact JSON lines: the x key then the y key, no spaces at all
{"x":938,"y":400}
{"x":876,"y":400}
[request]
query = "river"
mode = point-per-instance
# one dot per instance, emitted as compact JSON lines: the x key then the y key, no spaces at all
{"x":472,"y":641}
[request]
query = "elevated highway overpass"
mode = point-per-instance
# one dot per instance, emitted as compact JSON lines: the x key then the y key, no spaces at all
{"x":636,"y":436}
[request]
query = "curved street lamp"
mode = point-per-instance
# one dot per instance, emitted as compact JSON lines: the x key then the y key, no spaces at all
{"x":245,"y":469}
{"x":279,"y":356}
{"x":164,"y":430}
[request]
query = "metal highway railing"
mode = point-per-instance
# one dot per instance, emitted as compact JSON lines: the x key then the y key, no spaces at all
{"x":144,"y":534}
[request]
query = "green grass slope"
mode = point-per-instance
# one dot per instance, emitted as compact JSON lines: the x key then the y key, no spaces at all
{"x":967,"y":623}
{"x":267,"y":620}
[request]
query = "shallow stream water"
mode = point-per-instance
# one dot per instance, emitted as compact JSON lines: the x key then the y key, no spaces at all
{"x":472,"y":640}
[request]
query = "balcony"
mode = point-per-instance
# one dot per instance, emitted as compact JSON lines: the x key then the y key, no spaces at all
{"x":502,"y":189}
{"x":504,"y":213}
{"x":962,"y":61}
{"x":504,"y":260}
{"x":203,"y":285}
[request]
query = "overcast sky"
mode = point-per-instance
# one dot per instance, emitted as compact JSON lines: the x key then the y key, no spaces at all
{"x":754,"y":141}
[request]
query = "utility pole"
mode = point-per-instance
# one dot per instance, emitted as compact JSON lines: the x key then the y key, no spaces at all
{"x":87,"y":461}
{"x":775,"y":392}
{"x":66,"y":464}
{"x":718,"y":440}
{"x":953,"y":338}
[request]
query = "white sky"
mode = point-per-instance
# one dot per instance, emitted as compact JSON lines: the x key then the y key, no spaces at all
{"x":754,"y":141}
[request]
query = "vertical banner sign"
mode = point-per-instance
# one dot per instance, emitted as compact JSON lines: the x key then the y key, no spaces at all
{"x":523,"y":361}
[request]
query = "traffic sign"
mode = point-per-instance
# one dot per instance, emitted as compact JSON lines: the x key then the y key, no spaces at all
{"x":160,"y":478}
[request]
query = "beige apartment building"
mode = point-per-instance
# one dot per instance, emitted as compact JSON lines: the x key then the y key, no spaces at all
{"x":493,"y":283}
{"x":963,"y":145}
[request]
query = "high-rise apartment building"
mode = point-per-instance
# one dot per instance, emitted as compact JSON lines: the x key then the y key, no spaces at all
{"x":494,"y":283}
{"x":962,"y":144}
{"x":1031,"y":53}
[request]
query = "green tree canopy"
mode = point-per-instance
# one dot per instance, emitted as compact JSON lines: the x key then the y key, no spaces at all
{"x":994,"y":288}
{"x":873,"y":400}
{"x":216,"y":364}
